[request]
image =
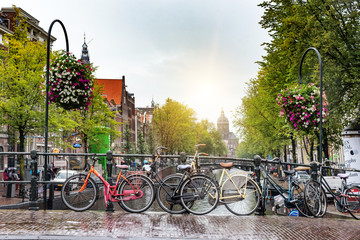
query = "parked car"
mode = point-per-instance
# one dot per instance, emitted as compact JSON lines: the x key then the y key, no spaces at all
{"x":60,"y":178}
{"x":334,"y":183}
{"x":302,"y":176}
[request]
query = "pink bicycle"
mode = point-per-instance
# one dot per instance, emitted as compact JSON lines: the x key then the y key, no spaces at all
{"x":134,"y":193}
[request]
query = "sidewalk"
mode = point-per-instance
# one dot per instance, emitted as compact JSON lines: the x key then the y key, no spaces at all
{"x":25,"y":224}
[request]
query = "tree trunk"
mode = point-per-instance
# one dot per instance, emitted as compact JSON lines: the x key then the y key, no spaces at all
{"x":325,"y":145}
{"x":21,"y":149}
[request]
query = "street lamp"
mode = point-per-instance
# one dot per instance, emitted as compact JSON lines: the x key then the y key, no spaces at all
{"x":321,"y":100}
{"x":47,"y":95}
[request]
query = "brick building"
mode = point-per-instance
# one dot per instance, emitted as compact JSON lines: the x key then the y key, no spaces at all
{"x":121,"y":102}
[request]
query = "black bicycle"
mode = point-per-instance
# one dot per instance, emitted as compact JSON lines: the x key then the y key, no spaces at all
{"x":293,"y":197}
{"x":179,"y":193}
{"x":347,"y":198}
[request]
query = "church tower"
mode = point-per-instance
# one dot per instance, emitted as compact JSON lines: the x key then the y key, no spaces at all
{"x":223,"y":125}
{"x":85,"y":52}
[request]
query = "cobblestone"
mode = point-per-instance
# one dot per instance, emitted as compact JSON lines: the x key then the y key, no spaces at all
{"x":19,"y":224}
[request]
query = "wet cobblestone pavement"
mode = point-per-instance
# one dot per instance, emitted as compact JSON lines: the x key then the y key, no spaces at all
{"x":25,"y":224}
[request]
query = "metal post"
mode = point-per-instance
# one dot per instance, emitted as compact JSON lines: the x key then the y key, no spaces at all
{"x":109,"y":157}
{"x":321,"y":99}
{"x":314,"y":173}
{"x":47,"y":97}
{"x":33,"y":188}
{"x":261,"y":209}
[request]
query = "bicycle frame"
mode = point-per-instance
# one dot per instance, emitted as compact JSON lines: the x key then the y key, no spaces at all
{"x":110,"y":193}
{"x":337,"y":197}
{"x":278,"y":188}
{"x":225,"y":172}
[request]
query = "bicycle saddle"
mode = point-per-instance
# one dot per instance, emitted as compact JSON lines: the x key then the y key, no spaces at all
{"x":343,"y":175}
{"x":289,"y":172}
{"x":183,"y":167}
{"x":227,"y":164}
{"x":122,"y":166}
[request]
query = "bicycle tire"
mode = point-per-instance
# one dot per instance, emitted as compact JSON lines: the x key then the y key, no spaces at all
{"x":168,"y":200}
{"x":142,"y":185}
{"x":298,"y":194}
{"x":315,"y":198}
{"x":202,"y":191}
{"x":75,"y":200}
{"x":352,"y":203}
{"x":244,"y":203}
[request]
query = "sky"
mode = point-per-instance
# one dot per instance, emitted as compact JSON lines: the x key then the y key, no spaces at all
{"x":200,"y":53}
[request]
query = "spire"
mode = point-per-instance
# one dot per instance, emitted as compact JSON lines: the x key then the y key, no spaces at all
{"x":152,"y":103}
{"x":85,"y":53}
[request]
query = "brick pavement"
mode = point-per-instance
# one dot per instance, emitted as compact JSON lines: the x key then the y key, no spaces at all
{"x":154,"y":225}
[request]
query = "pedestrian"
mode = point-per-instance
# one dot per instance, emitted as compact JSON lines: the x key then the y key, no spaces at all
{"x":12,"y":174}
{"x":146,"y":166}
{"x":5,"y":175}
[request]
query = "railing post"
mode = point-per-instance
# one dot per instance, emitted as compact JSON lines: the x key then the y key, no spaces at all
{"x":33,"y":188}
{"x":314,"y":173}
{"x":261,"y":209}
{"x":109,"y":165}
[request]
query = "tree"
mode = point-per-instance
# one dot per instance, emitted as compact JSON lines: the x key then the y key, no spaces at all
{"x":209,"y":135}
{"x":330,"y":26}
{"x":98,"y":116}
{"x":21,"y":68}
{"x":174,"y":126}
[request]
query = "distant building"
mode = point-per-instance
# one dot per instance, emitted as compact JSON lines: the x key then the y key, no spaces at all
{"x":144,"y":119}
{"x":231,"y":141}
{"x":120,"y":101}
{"x":85,"y":53}
{"x":7,"y":22}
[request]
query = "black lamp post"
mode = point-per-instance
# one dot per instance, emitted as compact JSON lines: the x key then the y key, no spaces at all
{"x":47,"y":96}
{"x":321,"y":98}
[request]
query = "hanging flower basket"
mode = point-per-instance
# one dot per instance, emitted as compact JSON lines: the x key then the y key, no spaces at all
{"x":300,"y":106}
{"x":70,"y":82}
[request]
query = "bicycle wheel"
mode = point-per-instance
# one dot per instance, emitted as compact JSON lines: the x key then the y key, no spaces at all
{"x":315,"y":199}
{"x":76,"y":200}
{"x":240,"y":195}
{"x":298,"y":194}
{"x":137,"y":193}
{"x":202,"y":192}
{"x":168,"y":200}
{"x":352,"y":202}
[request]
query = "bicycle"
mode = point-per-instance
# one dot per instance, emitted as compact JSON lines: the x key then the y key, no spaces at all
{"x":346,"y":199}
{"x":134,"y":193}
{"x":238,"y":192}
{"x":174,"y":197}
{"x":293,"y":197}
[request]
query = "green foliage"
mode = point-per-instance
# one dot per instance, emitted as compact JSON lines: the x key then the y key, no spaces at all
{"x":174,"y":125}
{"x":209,"y":135}
{"x":97,"y":115}
{"x":330,"y":26}
{"x":21,"y":99}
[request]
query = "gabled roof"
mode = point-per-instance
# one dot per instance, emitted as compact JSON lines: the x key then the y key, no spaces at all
{"x":112,"y":89}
